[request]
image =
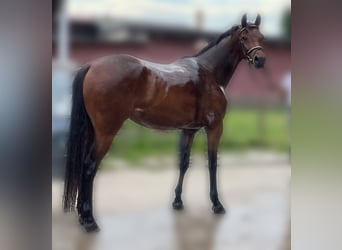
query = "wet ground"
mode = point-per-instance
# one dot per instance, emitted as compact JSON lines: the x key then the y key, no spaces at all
{"x":133,"y":209}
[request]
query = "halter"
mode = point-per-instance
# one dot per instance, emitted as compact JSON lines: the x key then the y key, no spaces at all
{"x":248,"y":52}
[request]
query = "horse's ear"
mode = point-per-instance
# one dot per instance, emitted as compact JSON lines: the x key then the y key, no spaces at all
{"x":257,"y":20}
{"x":244,"y":20}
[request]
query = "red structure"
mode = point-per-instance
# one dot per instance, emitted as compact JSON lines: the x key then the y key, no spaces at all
{"x":95,"y":38}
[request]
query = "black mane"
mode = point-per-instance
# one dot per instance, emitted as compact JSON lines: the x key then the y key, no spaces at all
{"x":217,"y":40}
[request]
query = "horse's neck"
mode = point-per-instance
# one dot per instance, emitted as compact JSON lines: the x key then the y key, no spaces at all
{"x":222,"y":60}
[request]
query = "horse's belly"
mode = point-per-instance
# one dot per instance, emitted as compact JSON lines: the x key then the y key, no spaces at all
{"x":164,"y":120}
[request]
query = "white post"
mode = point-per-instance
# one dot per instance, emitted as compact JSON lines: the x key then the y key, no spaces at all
{"x":62,"y":68}
{"x":63,"y":34}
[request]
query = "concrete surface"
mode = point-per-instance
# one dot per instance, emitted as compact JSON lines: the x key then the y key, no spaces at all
{"x":133,"y":209}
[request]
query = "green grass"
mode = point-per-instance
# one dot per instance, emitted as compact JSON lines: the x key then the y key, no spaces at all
{"x":241,"y":132}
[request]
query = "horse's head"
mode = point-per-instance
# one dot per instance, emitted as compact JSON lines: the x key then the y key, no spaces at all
{"x":251,"y":41}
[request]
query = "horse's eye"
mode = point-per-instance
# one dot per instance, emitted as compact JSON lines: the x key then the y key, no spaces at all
{"x":244,"y":38}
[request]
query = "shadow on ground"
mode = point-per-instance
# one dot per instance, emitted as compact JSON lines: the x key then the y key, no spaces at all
{"x":133,"y":209}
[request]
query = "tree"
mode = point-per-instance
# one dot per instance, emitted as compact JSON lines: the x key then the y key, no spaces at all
{"x":286,"y":23}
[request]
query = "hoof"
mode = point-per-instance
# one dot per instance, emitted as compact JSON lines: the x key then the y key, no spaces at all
{"x":91,"y":228}
{"x":89,"y":225}
{"x":177,"y":205}
{"x":218,"y":209}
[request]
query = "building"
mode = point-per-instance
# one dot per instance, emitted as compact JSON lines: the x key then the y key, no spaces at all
{"x":91,"y":39}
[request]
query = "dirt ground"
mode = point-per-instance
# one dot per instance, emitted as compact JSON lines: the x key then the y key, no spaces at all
{"x":133,"y":208}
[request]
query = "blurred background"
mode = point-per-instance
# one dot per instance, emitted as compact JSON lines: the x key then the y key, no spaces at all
{"x":134,"y":189}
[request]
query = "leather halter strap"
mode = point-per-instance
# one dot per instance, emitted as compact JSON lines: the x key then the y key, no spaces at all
{"x":248,"y":52}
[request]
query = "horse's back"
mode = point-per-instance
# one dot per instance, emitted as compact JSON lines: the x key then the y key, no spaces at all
{"x":115,"y":67}
{"x":178,"y":72}
{"x":126,"y":68}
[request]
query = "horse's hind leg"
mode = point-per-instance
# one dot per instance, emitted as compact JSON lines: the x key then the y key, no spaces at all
{"x":84,"y":199}
{"x":93,"y":160}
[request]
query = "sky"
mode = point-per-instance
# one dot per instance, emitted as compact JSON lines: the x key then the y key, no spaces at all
{"x":219,"y":15}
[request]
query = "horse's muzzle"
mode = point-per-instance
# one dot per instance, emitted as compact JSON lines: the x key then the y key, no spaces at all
{"x":259,"y":61}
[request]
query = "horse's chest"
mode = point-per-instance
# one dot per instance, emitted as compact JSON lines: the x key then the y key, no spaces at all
{"x":213,"y":106}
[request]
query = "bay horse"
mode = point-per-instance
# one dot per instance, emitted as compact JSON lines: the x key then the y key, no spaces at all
{"x":187,"y":94}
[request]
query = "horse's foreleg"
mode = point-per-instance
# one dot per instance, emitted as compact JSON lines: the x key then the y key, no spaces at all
{"x":186,"y":140}
{"x":214,"y":134}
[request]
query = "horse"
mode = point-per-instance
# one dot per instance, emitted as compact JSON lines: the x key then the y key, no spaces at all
{"x":186,"y":95}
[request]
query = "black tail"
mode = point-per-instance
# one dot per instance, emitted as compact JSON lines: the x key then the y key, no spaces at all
{"x":81,"y":138}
